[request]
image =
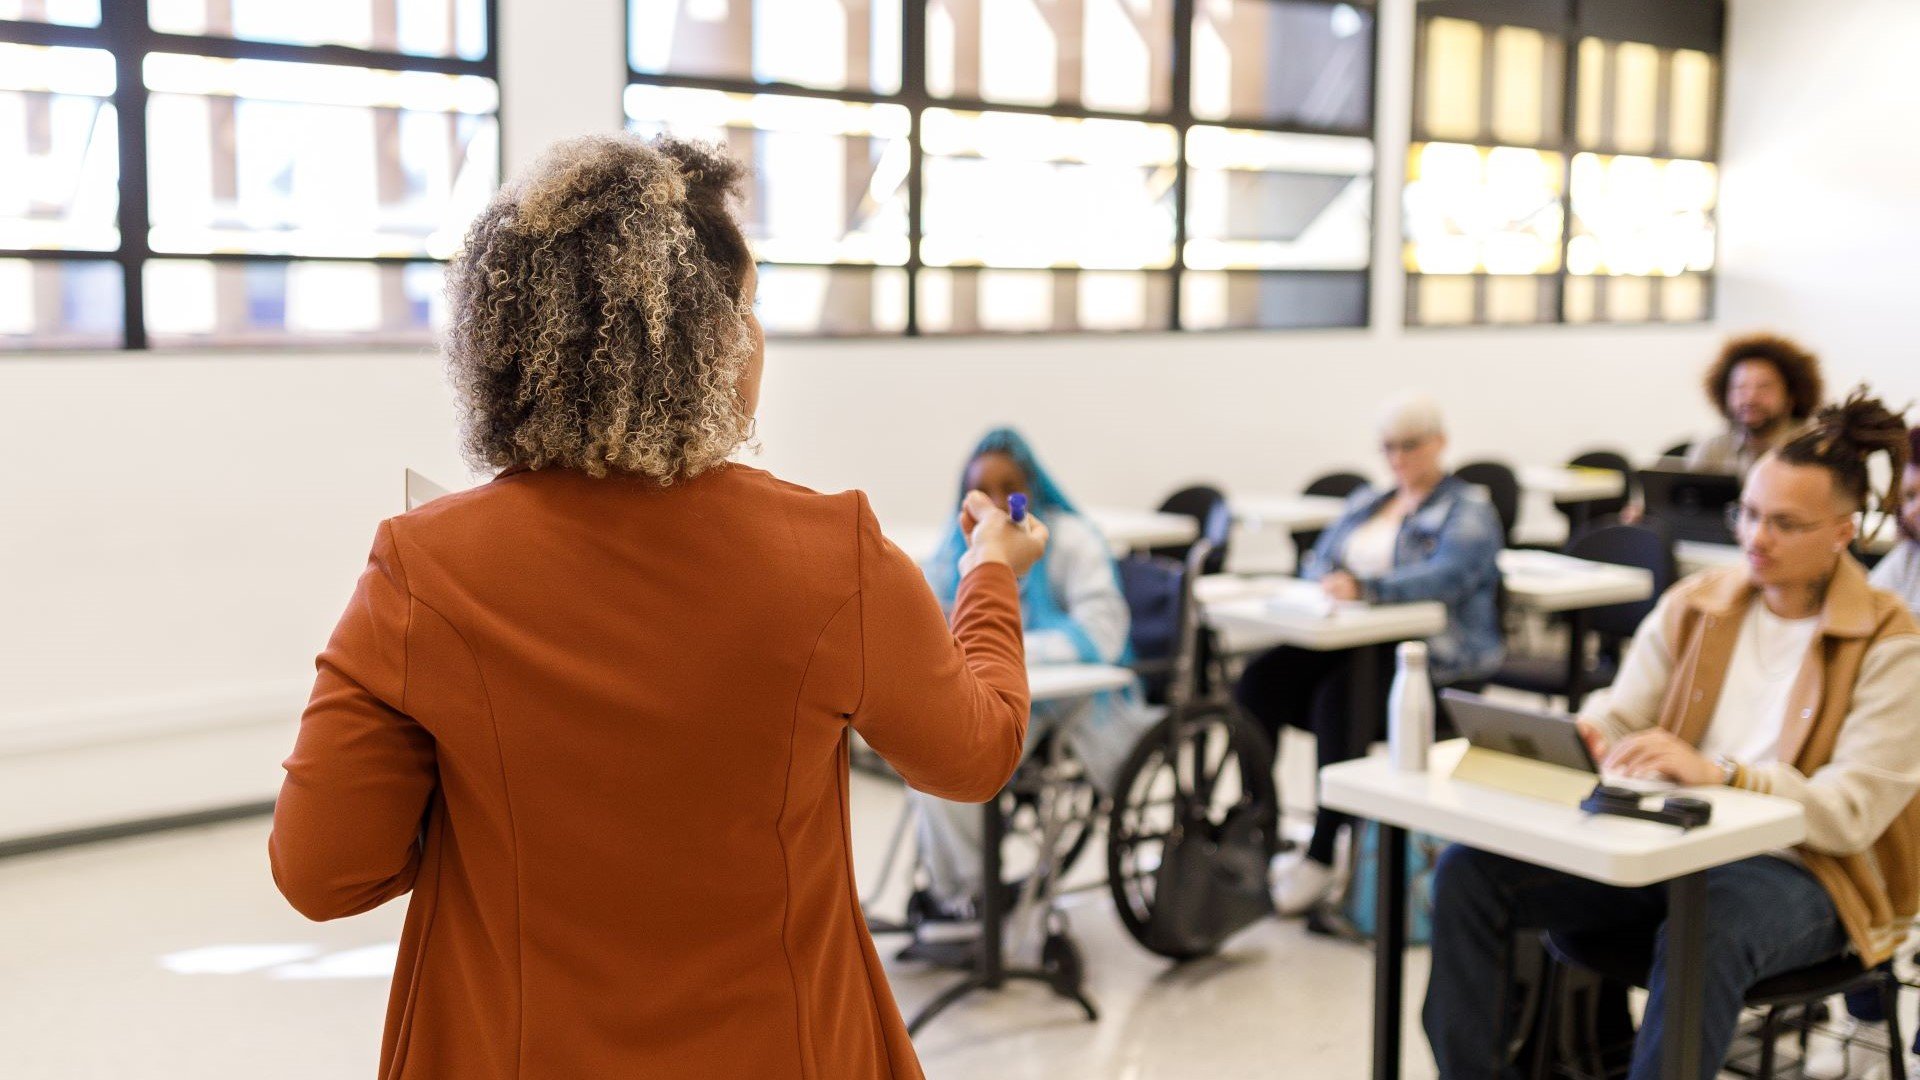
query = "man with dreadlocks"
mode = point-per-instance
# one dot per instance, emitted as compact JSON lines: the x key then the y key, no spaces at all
{"x":1789,"y":675}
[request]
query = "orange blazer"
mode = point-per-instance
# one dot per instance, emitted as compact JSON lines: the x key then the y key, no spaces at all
{"x":599,"y":729}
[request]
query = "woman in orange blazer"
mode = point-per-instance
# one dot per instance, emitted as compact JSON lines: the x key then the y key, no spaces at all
{"x":594,"y":714}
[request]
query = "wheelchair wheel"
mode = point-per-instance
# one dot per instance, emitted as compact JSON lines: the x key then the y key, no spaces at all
{"x":1204,"y":770}
{"x":1020,"y":852}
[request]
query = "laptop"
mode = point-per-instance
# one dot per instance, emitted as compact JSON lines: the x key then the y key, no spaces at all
{"x":1533,"y":734}
{"x":1692,"y":505}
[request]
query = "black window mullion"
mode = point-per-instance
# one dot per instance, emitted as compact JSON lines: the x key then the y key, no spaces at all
{"x":125,"y":25}
{"x":1182,"y":99}
{"x":334,"y":55}
{"x":1569,"y":146}
{"x":54,"y":34}
{"x":913,"y":92}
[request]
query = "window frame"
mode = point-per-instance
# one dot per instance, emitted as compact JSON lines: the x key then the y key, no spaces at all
{"x":1570,"y":30}
{"x":917,"y":99}
{"x":126,"y":33}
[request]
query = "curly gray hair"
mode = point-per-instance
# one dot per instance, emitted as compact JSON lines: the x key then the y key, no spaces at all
{"x":599,"y":313}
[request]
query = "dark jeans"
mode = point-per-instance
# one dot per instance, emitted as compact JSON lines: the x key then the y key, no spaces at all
{"x":1309,"y":690}
{"x":1765,"y":916}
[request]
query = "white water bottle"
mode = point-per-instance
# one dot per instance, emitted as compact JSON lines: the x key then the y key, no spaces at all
{"x":1410,"y":709}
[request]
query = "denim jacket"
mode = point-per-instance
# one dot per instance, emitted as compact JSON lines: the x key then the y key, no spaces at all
{"x":1446,"y":551}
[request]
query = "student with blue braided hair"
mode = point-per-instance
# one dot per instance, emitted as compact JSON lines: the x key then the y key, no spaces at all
{"x":1073,"y":612}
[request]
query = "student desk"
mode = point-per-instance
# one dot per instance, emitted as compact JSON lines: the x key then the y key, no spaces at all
{"x":1291,"y":513}
{"x":1045,"y":682}
{"x":1125,"y":531}
{"x":1243,"y":620}
{"x":1613,"y":851}
{"x":1572,"y":484}
{"x":1552,"y":584}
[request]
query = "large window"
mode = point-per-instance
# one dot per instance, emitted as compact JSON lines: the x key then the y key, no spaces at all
{"x":968,"y":166}
{"x":1562,"y":167}
{"x":238,"y":172}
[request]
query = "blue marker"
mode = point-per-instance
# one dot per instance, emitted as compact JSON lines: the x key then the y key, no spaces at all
{"x":1017,"y":506}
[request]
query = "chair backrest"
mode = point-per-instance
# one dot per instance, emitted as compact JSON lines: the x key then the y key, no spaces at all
{"x":1646,"y":545}
{"x":1337,"y":484}
{"x":1164,"y":629}
{"x":1597,"y":508}
{"x":1678,"y":450}
{"x":1209,"y":509}
{"x":1503,"y":487}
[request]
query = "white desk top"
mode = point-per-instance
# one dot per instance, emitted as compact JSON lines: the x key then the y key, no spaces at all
{"x":1051,"y":682}
{"x":1547,"y":582}
{"x":1289,"y":512}
{"x":1246,"y":619}
{"x":1568,"y":484}
{"x":1536,"y":580}
{"x":1125,"y":530}
{"x":1615,"y":851}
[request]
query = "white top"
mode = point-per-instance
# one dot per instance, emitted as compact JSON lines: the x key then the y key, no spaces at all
{"x":1753,"y":699}
{"x":1080,"y":575}
{"x":1611,"y":850}
{"x":1369,"y":550}
{"x":1899,"y":574}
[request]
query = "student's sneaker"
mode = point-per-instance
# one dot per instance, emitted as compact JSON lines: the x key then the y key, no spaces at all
{"x":1300,"y":884}
{"x":1858,"y":1042}
{"x":936,"y":922}
{"x":1880,"y":1071}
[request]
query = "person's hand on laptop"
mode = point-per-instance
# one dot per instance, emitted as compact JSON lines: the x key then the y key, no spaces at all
{"x":1596,"y":742}
{"x":1660,"y":753}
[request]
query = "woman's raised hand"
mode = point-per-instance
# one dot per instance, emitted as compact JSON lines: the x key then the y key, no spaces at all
{"x":992,"y":536}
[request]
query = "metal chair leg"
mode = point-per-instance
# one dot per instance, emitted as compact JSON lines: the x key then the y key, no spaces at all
{"x":1896,"y":1045}
{"x":1769,"y":1035}
{"x":1547,"y":1024}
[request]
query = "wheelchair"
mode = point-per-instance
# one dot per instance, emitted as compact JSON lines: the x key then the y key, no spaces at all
{"x":1191,"y":820}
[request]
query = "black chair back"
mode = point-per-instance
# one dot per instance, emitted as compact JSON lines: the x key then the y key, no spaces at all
{"x":1170,"y":648}
{"x":1645,"y":545}
{"x":1580,"y":513}
{"x":1209,"y":509}
{"x":1339,"y":485}
{"x":1503,"y":487}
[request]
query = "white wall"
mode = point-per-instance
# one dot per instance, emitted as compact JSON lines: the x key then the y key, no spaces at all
{"x":1820,"y":183}
{"x":178,"y":533}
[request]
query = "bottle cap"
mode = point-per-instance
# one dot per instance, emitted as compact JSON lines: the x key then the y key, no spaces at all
{"x":1414,"y":652}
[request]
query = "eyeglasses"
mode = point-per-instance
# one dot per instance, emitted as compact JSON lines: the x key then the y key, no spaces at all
{"x":1391,"y":447}
{"x":1743,"y":519}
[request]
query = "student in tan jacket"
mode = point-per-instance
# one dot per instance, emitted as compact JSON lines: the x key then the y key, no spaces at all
{"x":1788,"y":675}
{"x":594,"y":715}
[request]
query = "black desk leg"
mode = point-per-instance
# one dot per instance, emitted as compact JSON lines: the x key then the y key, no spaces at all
{"x":1389,"y":950}
{"x":1576,"y":660}
{"x":993,"y":958}
{"x":1686,"y":976}
{"x":990,"y":965}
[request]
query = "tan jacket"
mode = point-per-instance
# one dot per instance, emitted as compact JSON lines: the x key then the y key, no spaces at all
{"x":1850,"y":748}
